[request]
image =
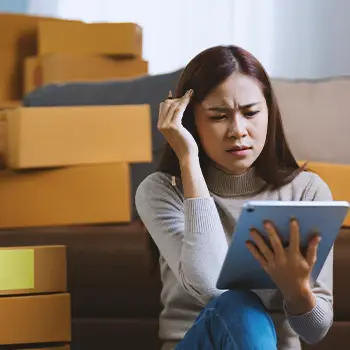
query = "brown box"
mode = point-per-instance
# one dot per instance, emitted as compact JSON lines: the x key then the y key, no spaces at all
{"x":337,"y":178}
{"x":18,"y":41}
{"x":44,"y":137}
{"x":21,"y":32}
{"x":72,"y":195}
{"x":64,"y":68}
{"x":10,"y":76}
{"x":33,"y":270}
{"x":35,"y":319}
{"x":124,"y":39}
{"x":3,"y":141}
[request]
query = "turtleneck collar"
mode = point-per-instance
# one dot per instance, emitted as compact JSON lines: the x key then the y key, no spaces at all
{"x":227,"y":185}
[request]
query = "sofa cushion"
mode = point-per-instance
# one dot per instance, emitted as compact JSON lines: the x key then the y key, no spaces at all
{"x":315,"y":118}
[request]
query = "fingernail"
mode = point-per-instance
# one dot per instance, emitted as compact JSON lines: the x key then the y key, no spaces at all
{"x":170,"y":94}
{"x":190,"y":92}
{"x":267,"y":224}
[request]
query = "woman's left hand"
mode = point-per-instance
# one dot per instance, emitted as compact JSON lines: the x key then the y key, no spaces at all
{"x":287,"y":267}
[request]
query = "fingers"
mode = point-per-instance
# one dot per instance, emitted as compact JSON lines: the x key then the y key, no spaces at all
{"x":261,"y":245}
{"x":172,"y":110}
{"x":176,"y":111}
{"x":256,"y":254}
{"x":274,"y":239}
{"x":294,"y":241}
{"x":311,"y":254}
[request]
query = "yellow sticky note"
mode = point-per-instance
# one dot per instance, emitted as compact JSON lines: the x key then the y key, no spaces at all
{"x":16,"y":269}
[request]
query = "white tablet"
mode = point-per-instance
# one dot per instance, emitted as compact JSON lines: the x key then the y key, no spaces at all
{"x":240,"y":269}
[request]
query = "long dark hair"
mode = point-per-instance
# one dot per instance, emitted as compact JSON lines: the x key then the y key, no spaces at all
{"x":276,"y":163}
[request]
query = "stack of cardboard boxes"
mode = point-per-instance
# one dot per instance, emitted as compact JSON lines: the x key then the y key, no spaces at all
{"x":35,"y":306}
{"x":60,"y":165}
{"x":70,"y":165}
{"x":36,"y":50}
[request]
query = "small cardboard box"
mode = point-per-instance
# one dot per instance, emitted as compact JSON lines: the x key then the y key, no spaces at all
{"x":35,"y":319}
{"x":33,"y":270}
{"x":90,"y":194}
{"x":123,"y":39}
{"x":18,"y":41}
{"x":66,"y":68}
{"x":42,"y":137}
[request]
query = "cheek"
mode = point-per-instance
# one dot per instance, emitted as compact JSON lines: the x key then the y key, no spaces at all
{"x":209,"y":136}
{"x":258,"y":129}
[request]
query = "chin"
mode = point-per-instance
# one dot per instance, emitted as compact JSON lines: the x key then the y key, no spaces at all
{"x":236,"y":168}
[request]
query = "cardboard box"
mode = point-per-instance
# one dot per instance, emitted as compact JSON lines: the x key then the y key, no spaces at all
{"x":33,"y":270}
{"x":73,"y":195}
{"x":64,"y":68}
{"x":3,"y":141}
{"x":21,"y":32}
{"x":11,"y":85}
{"x":35,"y":319}
{"x":44,"y":137}
{"x":337,"y":177}
{"x":123,"y":39}
{"x":18,"y":41}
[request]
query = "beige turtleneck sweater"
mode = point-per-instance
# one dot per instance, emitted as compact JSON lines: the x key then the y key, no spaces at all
{"x":193,"y":236}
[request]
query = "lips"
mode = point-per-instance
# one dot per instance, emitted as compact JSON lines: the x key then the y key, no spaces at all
{"x":238,"y":148}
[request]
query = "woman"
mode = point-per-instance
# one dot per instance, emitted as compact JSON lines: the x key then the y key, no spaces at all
{"x":225,"y":145}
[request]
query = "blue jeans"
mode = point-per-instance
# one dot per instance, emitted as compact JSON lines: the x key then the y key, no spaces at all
{"x":236,"y":320}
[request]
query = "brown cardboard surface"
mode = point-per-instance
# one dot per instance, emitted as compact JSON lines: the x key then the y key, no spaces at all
{"x":10,"y":76}
{"x":61,"y":68}
{"x":3,"y":141}
{"x":18,"y":41}
{"x":123,"y":39}
{"x":33,"y":74}
{"x":35,"y":319}
{"x":49,"y":270}
{"x":21,"y":32}
{"x":72,"y":195}
{"x":10,"y":104}
{"x":337,"y":177}
{"x":43,"y":137}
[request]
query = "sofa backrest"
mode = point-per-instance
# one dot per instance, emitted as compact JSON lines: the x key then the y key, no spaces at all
{"x":316,"y":117}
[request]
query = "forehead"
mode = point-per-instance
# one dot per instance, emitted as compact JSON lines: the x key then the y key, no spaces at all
{"x":237,"y":89}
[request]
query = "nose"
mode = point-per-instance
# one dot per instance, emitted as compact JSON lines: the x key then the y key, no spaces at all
{"x":237,"y":128}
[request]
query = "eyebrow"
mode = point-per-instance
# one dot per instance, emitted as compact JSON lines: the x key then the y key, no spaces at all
{"x":225,"y":109}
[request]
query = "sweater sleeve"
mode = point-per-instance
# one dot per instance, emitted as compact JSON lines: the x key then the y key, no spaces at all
{"x":188,"y":234}
{"x":314,"y":325}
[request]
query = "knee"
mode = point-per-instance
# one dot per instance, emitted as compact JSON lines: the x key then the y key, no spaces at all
{"x":243,"y":312}
{"x":243,"y":306}
{"x":239,"y":300}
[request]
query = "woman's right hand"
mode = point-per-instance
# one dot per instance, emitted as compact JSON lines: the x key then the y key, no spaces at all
{"x":170,"y":125}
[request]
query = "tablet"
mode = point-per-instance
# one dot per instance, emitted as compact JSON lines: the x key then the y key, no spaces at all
{"x":240,"y":270}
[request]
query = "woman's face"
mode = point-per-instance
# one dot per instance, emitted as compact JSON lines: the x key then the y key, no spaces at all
{"x":232,"y":123}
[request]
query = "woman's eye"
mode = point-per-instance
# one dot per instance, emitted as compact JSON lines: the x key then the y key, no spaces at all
{"x":218,"y":117}
{"x":251,"y":113}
